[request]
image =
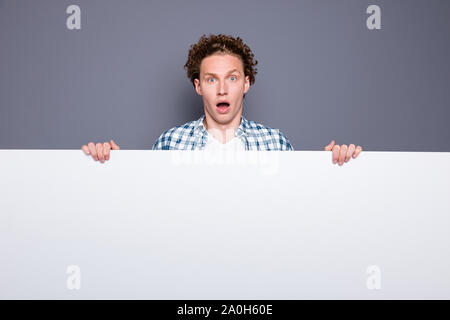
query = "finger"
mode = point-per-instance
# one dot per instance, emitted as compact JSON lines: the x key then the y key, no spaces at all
{"x":342,"y":154}
{"x":93,"y":150}
{"x":330,"y":146}
{"x":114,"y":146}
{"x":85,"y":148}
{"x":100,"y":154}
{"x":106,"y":149}
{"x":357,"y":151}
{"x":351,"y":149}
{"x":335,"y":153}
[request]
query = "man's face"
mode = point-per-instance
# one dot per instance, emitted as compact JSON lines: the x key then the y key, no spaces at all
{"x":222,"y":80}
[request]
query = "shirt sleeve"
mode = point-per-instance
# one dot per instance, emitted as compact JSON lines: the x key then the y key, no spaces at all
{"x":285,"y":144}
{"x":158,"y":145}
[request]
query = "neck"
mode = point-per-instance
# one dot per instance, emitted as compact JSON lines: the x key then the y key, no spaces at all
{"x":222,"y":132}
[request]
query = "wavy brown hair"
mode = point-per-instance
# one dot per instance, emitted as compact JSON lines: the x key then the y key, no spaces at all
{"x":208,"y":45}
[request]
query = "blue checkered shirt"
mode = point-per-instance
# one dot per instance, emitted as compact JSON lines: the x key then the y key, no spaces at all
{"x":193,"y":136}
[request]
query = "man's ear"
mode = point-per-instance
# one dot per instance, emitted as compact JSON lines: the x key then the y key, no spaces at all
{"x":197,"y":86}
{"x":247,"y":84}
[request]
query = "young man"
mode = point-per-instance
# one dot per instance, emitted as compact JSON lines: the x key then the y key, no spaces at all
{"x":222,"y":69}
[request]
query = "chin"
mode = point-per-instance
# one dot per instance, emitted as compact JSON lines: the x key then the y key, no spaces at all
{"x":222,"y":117}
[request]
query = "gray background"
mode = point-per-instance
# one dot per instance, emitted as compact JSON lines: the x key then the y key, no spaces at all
{"x":322,"y":74}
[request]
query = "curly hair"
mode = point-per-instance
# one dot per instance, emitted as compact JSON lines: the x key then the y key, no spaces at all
{"x":208,"y":45}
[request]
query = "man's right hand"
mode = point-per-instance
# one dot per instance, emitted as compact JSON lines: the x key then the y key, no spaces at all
{"x":100,"y":151}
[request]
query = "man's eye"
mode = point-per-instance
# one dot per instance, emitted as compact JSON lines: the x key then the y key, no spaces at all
{"x":209,"y":80}
{"x":233,"y":78}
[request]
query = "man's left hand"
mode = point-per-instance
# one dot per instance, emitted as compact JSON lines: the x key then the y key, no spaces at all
{"x":343,"y":153}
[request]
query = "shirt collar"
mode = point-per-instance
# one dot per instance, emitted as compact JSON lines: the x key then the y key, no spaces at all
{"x":241,"y":130}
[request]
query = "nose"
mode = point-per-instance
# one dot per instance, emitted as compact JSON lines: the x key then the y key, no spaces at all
{"x":222,"y":87}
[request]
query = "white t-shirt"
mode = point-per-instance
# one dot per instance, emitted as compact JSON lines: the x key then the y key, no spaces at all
{"x":235,"y":144}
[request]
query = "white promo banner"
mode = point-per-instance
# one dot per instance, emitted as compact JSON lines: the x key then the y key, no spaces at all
{"x":246,"y":225}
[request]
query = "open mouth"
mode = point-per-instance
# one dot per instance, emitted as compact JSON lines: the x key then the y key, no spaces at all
{"x":223,"y":107}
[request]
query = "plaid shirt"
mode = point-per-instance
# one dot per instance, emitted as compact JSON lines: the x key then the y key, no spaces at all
{"x":193,"y":135}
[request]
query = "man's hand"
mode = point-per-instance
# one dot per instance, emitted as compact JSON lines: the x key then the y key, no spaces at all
{"x":343,"y":153}
{"x":100,"y":151}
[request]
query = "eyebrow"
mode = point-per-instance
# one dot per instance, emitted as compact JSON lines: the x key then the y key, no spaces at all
{"x":213,"y":74}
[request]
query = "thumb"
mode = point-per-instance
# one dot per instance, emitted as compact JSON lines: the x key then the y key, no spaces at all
{"x":330,"y":146}
{"x":114,"y":146}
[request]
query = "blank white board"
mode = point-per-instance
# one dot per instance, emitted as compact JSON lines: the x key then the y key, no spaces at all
{"x":246,"y":225}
